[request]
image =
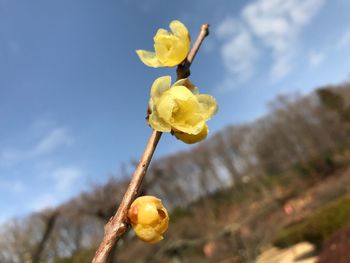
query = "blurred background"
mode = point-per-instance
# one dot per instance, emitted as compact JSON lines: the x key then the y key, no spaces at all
{"x":270,"y":184}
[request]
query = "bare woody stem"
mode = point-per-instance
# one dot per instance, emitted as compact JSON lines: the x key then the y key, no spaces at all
{"x":118,"y":224}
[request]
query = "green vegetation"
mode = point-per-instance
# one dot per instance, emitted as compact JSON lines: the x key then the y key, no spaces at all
{"x":319,"y":226}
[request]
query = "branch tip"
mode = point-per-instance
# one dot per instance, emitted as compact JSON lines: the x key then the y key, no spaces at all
{"x":205,"y":28}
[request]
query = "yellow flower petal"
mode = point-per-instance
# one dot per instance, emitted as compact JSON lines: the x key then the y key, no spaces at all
{"x":158,"y":123}
{"x":147,"y":234}
{"x":208,"y":104}
{"x":146,"y":199}
{"x":159,"y":86}
{"x":190,"y":138}
{"x":179,"y":29}
{"x":148,"y":214}
{"x":186,"y":116}
{"x":149,"y":58}
{"x":180,"y":82}
{"x":181,"y":93}
{"x":193,"y":126}
{"x":188,"y":84}
{"x":164,"y":221}
{"x":170,"y":50}
{"x":165,"y":106}
{"x":179,"y":107}
{"x":161,"y":33}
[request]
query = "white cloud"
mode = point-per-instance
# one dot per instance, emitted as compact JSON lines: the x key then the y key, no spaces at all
{"x":63,"y":182}
{"x":239,"y":55}
{"x":277,"y":23}
{"x":344,"y":40}
{"x":55,"y":139}
{"x":52,"y":141}
{"x":316,"y":58}
{"x":238,"y":51}
{"x":227,"y":28}
{"x":271,"y":24}
{"x":36,"y":161}
{"x":281,"y":66}
{"x":227,"y":84}
{"x":66,"y":177}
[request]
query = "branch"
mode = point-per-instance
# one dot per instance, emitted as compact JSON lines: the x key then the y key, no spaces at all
{"x":183,"y":70}
{"x":50,"y":221}
{"x":118,"y":224}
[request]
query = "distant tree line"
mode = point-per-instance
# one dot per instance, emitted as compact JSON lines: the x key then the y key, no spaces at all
{"x":299,"y":132}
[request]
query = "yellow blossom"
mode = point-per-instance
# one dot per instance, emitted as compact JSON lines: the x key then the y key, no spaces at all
{"x":171,"y":48}
{"x":149,"y":218}
{"x":192,"y":138}
{"x":180,"y":109}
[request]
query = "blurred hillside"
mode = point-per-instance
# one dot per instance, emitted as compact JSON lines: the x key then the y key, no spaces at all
{"x":230,"y":197}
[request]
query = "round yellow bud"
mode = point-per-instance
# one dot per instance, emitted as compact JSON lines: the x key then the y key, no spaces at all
{"x":149,"y":218}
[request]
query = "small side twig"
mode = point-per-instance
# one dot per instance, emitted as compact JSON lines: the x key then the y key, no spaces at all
{"x":183,"y":70}
{"x":118,"y":224}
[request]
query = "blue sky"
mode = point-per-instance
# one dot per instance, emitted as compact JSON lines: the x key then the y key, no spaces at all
{"x":73,"y":93}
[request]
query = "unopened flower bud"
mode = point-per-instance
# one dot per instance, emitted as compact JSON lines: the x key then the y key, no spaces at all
{"x":149,"y":218}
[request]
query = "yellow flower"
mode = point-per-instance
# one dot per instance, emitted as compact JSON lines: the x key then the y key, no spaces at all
{"x":191,"y":138}
{"x":170,"y":48}
{"x":149,"y":218}
{"x":180,"y":109}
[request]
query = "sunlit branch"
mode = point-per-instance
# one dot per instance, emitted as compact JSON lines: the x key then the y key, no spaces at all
{"x":118,"y":224}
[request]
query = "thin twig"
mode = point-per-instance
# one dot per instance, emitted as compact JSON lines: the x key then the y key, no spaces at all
{"x":118,"y":224}
{"x":183,"y":70}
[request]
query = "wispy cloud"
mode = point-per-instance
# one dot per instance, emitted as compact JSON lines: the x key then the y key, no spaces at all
{"x":277,"y":24}
{"x":316,"y":58}
{"x":55,"y":139}
{"x":239,"y":55}
{"x":228,"y":28}
{"x":273,"y":25}
{"x":52,"y":141}
{"x":62,"y":182}
{"x":66,"y":177}
{"x":45,"y":180}
{"x":282,"y":66}
{"x":344,"y":40}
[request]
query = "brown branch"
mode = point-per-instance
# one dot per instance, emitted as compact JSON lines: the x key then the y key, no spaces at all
{"x":183,"y":70}
{"x":118,"y":224}
{"x":50,"y":221}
